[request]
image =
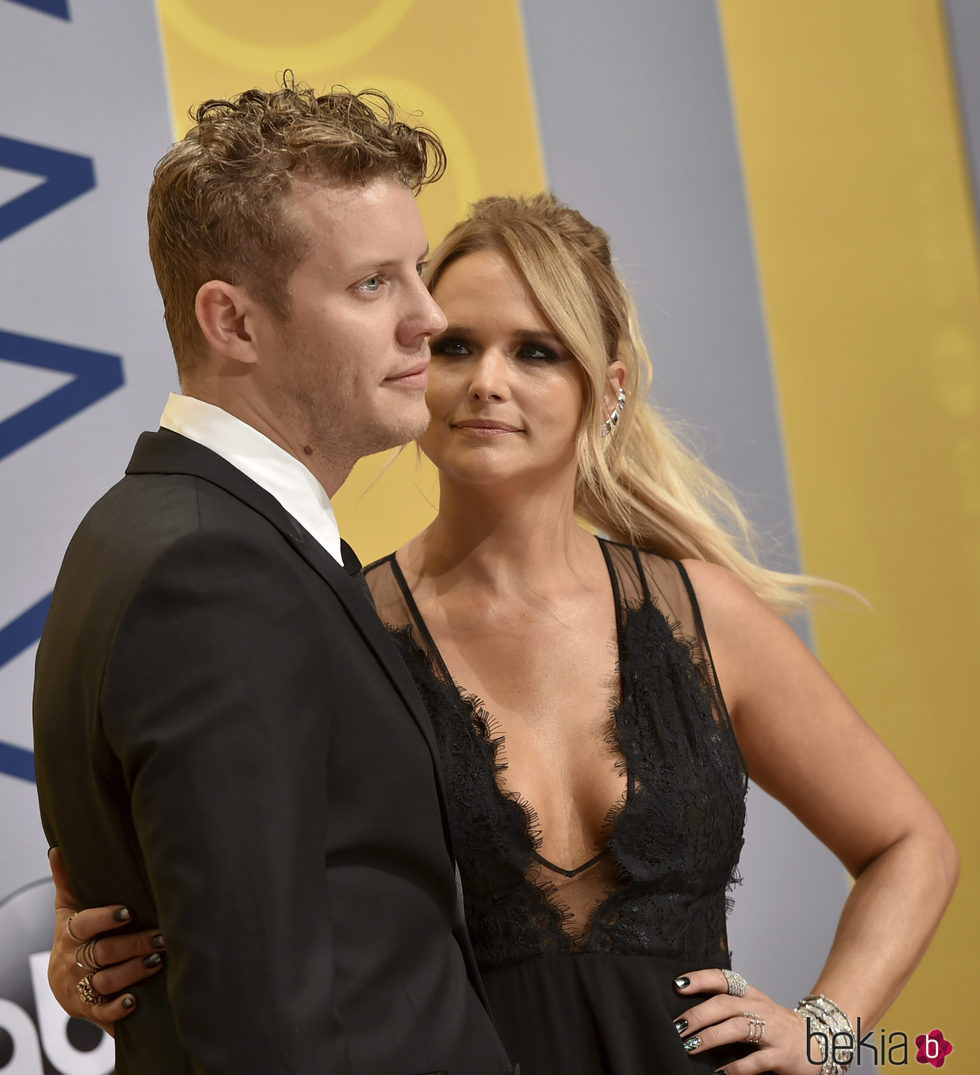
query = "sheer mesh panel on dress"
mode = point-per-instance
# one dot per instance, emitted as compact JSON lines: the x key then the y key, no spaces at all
{"x":658,"y":885}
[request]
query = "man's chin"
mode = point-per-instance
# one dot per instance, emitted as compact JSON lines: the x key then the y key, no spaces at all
{"x":396,"y":435}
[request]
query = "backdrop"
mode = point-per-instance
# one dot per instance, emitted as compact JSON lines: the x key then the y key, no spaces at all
{"x":788,"y":188}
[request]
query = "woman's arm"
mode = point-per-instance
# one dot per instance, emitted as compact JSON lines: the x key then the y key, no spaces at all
{"x":127,"y":959}
{"x":806,"y":745}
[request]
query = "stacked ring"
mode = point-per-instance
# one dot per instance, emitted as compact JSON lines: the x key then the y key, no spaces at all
{"x":85,"y":957}
{"x":757,"y":1029}
{"x":77,"y":940}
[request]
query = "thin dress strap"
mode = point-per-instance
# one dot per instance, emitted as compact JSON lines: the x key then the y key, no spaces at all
{"x":699,"y":623}
{"x":647,"y":596}
{"x":413,"y":608}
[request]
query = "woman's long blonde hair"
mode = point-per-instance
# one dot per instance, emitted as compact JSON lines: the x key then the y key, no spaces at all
{"x":642,"y":485}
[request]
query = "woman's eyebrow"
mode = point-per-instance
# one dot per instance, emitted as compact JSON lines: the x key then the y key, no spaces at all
{"x":536,"y":334}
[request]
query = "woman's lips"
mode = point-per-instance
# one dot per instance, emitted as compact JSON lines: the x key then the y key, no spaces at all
{"x":485,"y":427}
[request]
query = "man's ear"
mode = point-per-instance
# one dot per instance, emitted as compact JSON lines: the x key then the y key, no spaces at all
{"x":224,"y":313}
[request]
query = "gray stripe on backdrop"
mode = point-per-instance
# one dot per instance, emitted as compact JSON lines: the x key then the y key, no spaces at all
{"x":638,"y":133}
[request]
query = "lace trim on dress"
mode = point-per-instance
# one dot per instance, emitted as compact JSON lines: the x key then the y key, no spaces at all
{"x":673,"y":839}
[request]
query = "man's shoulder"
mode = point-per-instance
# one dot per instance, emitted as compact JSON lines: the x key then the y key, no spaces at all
{"x":181,"y":513}
{"x":151,"y":517}
{"x":172,"y":486}
{"x":155,"y":507}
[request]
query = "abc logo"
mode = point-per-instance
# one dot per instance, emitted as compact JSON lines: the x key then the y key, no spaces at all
{"x":36,"y":1036}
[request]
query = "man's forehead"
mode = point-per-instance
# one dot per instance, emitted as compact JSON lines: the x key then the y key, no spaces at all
{"x":383,"y":201}
{"x":369,"y":224}
{"x":349,"y":197}
{"x":341,"y":191}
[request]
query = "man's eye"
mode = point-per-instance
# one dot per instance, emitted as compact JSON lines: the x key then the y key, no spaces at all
{"x":371,"y":284}
{"x":421,"y":267}
{"x":448,"y":345}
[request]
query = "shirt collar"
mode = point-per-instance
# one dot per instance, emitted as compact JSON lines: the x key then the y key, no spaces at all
{"x":260,"y":459}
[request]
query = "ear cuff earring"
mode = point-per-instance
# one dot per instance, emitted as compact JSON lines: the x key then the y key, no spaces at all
{"x":609,"y":425}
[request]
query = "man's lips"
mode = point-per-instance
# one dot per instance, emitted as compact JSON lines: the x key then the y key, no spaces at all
{"x":416,"y":377}
{"x":484,"y":427}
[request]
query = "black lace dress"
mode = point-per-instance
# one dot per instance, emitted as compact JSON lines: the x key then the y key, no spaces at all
{"x":577,"y":997}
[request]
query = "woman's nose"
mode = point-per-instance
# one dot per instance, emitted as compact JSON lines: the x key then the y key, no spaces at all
{"x":490,"y":377}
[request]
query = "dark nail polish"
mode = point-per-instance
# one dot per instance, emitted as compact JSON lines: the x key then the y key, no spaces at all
{"x":158,"y":941}
{"x":122,"y":915}
{"x":153,"y":960}
{"x":680,"y":1025}
{"x":692,"y":1043}
{"x":721,"y":1071}
{"x":682,"y":982}
{"x":129,"y":1002}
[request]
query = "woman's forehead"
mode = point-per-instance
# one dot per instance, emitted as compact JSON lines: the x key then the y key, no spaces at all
{"x":485,"y":285}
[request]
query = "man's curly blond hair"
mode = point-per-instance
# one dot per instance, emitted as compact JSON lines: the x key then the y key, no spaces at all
{"x":216,"y":205}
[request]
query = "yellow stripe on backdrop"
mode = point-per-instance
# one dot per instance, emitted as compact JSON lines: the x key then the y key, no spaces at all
{"x":463,"y":66}
{"x":865,"y":233}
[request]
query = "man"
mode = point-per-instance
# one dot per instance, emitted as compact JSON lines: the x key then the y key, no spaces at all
{"x":226,"y":740}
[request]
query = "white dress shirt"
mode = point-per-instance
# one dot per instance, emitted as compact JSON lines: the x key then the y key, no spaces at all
{"x":260,"y":459}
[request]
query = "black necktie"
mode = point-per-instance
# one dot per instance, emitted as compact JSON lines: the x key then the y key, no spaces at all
{"x":353,"y":567}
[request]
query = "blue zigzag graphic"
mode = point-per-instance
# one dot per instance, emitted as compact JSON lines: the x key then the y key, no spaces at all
{"x":95,"y":374}
{"x":16,"y":761}
{"x":14,"y":639}
{"x":58,"y":8}
{"x":23,"y":631}
{"x":66,"y":176}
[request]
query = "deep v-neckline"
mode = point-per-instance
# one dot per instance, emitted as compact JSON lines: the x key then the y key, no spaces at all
{"x":618,"y":807}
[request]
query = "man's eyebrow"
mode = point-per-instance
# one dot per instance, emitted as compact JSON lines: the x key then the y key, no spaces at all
{"x":387,"y":263}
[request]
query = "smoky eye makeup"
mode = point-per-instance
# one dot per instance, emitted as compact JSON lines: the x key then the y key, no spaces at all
{"x":524,"y":346}
{"x":450,"y":345}
{"x":539,"y":352}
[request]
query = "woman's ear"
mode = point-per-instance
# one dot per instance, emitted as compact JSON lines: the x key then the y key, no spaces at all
{"x":224,"y":311}
{"x":615,"y":382}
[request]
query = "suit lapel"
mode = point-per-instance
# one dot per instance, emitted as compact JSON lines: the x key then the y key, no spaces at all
{"x":365,"y":618}
{"x":166,"y":452}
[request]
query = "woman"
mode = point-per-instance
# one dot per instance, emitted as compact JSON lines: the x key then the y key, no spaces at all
{"x":595,"y":745}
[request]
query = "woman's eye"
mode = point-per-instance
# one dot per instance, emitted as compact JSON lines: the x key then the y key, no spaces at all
{"x":448,"y":345}
{"x":538,"y":353}
{"x":421,"y":267}
{"x":371,"y":284}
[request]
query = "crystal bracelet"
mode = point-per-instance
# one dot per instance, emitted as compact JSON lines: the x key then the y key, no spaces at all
{"x":820,"y":1009}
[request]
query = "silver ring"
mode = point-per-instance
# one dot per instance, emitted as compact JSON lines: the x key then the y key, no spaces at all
{"x":757,"y":1029}
{"x":85,"y":956}
{"x":77,"y":940}
{"x":737,"y":985}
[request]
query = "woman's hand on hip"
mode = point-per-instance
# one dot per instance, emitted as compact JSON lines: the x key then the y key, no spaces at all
{"x":778,"y":1033}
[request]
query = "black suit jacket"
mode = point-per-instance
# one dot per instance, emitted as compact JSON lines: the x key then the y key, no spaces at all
{"x":228,"y":743}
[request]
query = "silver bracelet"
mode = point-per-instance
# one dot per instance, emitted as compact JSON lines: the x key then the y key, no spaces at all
{"x":820,"y":1009}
